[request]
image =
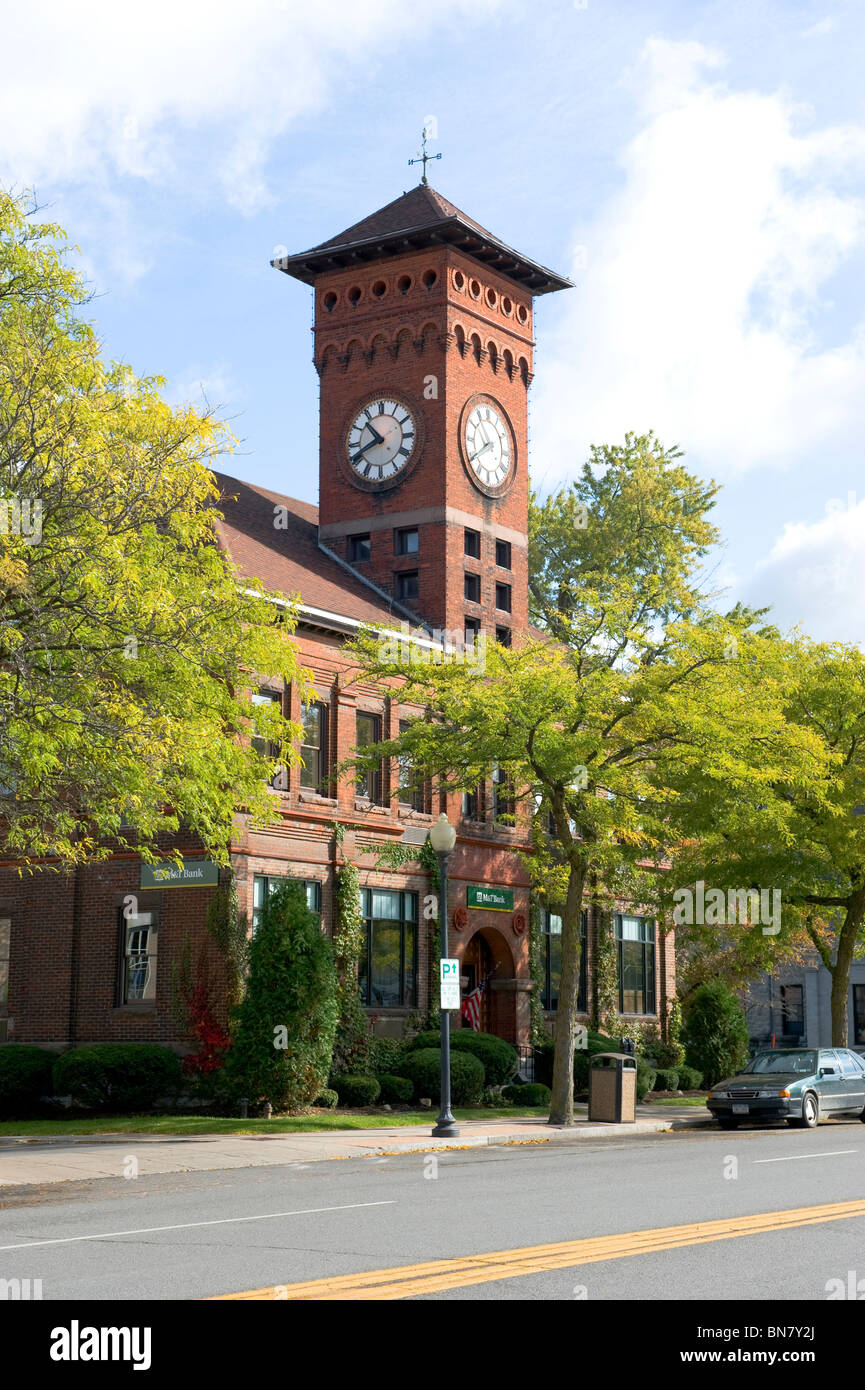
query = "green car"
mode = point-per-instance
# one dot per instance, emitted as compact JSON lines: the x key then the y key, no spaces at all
{"x":799,"y":1084}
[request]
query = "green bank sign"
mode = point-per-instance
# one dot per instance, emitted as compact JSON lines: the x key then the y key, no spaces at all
{"x":496,"y":899}
{"x":196,"y":873}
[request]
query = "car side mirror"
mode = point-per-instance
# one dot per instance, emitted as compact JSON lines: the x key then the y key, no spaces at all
{"x":827,"y":1071}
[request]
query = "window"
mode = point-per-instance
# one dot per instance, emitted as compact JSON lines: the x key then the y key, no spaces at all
{"x":387,"y":971}
{"x":502,"y":802}
{"x":503,"y":636}
{"x":503,"y":597}
{"x":266,"y":747}
{"x":407,"y":584}
{"x":472,"y":628}
{"x":406,"y":542}
{"x":471,"y":805}
{"x":410,"y":792}
{"x":859,"y":1013}
{"x":551,"y":925}
{"x":5,"y":951}
{"x":503,"y":554}
{"x":359,"y":548}
{"x":473,"y":544}
{"x":368,"y":727}
{"x":851,"y":1065}
{"x":313,"y":746}
{"x":793,"y":1011}
{"x":473,"y":588}
{"x":138,"y":938}
{"x":635,"y":942}
{"x":264,"y":884}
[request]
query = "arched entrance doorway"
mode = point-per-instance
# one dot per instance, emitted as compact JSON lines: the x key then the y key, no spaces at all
{"x":488,"y":957}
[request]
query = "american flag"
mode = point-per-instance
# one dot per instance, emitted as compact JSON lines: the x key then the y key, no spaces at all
{"x":471,"y":1008}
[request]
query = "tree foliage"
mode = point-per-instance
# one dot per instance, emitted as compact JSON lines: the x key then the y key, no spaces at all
{"x":126,"y":645}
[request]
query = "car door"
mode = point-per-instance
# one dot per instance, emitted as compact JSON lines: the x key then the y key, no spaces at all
{"x":831,"y":1088}
{"x":853,"y":1074}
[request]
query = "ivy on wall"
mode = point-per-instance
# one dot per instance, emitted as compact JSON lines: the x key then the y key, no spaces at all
{"x":606,"y":1012}
{"x":394,"y":856}
{"x":351,"y":1048}
{"x":537,"y":969}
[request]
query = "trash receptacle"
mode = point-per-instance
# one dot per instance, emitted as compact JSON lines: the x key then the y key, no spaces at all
{"x":613,"y":1087}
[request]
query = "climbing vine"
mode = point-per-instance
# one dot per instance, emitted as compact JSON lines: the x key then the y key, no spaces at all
{"x":394,"y":856}
{"x":606,"y":1018}
{"x":537,"y":1027}
{"x":351,"y":1048}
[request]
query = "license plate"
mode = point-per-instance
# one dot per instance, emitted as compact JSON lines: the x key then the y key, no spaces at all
{"x":740,"y":1109}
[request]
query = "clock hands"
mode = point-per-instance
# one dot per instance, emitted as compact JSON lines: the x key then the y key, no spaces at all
{"x":376,"y":439}
{"x":488,"y":445}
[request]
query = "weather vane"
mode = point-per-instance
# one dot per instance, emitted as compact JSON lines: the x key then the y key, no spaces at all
{"x":422,"y":156}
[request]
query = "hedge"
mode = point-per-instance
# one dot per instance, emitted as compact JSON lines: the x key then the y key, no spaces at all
{"x":116,"y":1076}
{"x":423,"y":1068}
{"x":666,"y":1080}
{"x":499,"y":1058}
{"x":690,"y":1079}
{"x":326,"y":1099}
{"x":395,"y":1090}
{"x":356,"y":1090}
{"x":531,"y":1094}
{"x":25,"y":1076}
{"x":646,"y":1075}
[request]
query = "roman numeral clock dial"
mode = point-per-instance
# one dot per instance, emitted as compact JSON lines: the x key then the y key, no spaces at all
{"x":381,"y":440}
{"x":487,"y":447}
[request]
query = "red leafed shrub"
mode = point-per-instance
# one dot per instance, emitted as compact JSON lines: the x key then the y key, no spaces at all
{"x":213,"y":1040}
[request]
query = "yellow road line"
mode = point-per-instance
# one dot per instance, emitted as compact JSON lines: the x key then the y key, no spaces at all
{"x":434,"y":1276}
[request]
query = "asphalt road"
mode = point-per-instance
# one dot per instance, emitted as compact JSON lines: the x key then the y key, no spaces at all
{"x":198,"y":1235}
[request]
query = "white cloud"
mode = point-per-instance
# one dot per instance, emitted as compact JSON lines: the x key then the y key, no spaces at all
{"x":813,"y":573}
{"x":100,"y":89}
{"x":707,"y":272}
{"x":212,"y":386}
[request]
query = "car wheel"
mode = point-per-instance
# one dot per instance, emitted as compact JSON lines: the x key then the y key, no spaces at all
{"x":810,"y":1112}
{"x":862,"y":1116}
{"x":728,"y":1122}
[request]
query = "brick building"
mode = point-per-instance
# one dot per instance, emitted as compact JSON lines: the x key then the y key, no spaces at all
{"x":424,"y":348}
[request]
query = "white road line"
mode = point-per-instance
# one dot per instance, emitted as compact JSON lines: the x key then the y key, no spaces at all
{"x":794,"y":1158}
{"x":188,"y":1225}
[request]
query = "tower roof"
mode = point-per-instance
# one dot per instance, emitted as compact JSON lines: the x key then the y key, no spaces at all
{"x":418,"y":219}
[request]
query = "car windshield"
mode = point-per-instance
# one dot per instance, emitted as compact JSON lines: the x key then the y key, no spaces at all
{"x":799,"y":1063}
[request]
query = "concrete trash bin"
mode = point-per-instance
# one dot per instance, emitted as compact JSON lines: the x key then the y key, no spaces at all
{"x":613,"y":1088}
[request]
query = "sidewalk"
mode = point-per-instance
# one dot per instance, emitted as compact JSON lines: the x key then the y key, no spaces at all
{"x":84,"y":1157}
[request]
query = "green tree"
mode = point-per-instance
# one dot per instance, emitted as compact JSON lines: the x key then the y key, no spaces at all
{"x":126,"y":645}
{"x":631,"y":669}
{"x":715,"y":1033}
{"x":286,"y":1024}
{"x":798,"y":831}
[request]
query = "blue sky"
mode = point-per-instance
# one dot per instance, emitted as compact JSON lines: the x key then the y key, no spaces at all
{"x":697,"y":169}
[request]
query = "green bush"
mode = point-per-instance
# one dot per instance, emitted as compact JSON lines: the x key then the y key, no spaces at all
{"x":356,"y":1090}
{"x":327,"y":1099}
{"x":499,"y":1058}
{"x":715,"y":1033}
{"x":385,"y":1055}
{"x":690,"y":1079}
{"x":116,"y":1076}
{"x":532,"y":1094}
{"x":666,"y":1080}
{"x":395,"y":1090}
{"x":25,"y":1076}
{"x":595,"y":1043}
{"x":286,"y":1023}
{"x":646,"y":1075}
{"x":423,"y":1068}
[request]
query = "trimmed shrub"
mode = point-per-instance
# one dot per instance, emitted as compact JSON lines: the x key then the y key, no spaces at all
{"x":690,"y":1079}
{"x":715,"y":1033}
{"x":25,"y":1076}
{"x":499,"y":1058}
{"x":286,"y":1022}
{"x":385,"y":1055}
{"x":646,"y":1075}
{"x":666,"y":1080}
{"x":423,"y":1068}
{"x":356,"y":1090}
{"x":327,"y":1099}
{"x":531,"y":1094}
{"x":116,"y":1076}
{"x":595,"y":1043}
{"x":395,"y":1090}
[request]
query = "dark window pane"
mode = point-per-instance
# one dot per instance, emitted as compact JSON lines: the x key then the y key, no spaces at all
{"x":503,"y":597}
{"x":407,"y":584}
{"x":312,"y":746}
{"x":473,"y":544}
{"x":369,"y":780}
{"x":503,"y":636}
{"x":407,"y":542}
{"x":473,"y":588}
{"x":359,"y":548}
{"x":503,"y":554}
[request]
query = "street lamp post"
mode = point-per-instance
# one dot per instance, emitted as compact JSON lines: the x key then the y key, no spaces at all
{"x":443,"y":838}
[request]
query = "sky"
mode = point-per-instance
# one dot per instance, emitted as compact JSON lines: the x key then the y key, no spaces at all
{"x":697,"y":169}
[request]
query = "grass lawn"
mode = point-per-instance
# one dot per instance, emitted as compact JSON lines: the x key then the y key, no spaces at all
{"x":681,"y":1100}
{"x":201,"y":1124}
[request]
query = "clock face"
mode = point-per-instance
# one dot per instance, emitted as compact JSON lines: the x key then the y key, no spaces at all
{"x":488,"y":445}
{"x":380,"y":440}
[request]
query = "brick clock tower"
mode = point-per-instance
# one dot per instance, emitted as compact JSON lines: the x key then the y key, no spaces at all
{"x":423,"y":343}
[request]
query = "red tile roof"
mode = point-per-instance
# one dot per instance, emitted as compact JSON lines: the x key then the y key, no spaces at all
{"x":289,"y":560}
